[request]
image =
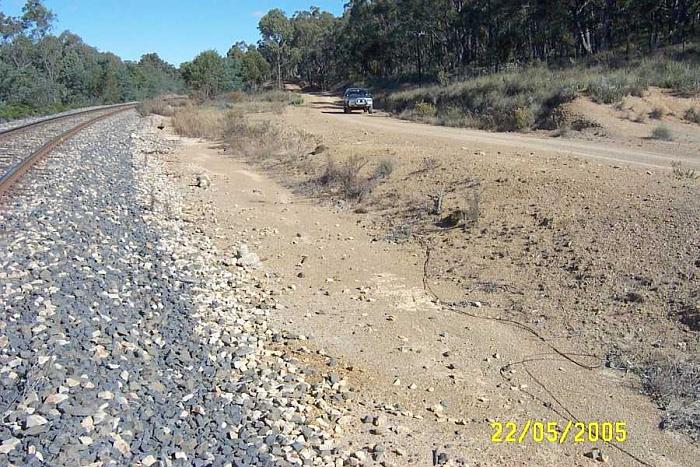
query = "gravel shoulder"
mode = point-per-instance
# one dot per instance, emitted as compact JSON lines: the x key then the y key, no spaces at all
{"x":438,"y":377}
{"x":127,"y":338}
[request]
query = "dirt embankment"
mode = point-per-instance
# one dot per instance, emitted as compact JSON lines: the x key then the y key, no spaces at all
{"x":598,"y":255}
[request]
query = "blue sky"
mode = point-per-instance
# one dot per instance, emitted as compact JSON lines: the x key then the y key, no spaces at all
{"x":176,"y":29}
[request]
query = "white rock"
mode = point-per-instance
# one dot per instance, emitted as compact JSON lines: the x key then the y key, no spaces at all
{"x":8,"y":445}
{"x":35,"y":420}
{"x":55,"y":399}
{"x":120,"y":445}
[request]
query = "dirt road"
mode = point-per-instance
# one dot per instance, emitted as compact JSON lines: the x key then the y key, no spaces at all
{"x":429,"y":380}
{"x":645,"y":153}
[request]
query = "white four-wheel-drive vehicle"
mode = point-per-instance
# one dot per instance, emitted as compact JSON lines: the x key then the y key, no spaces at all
{"x":357,"y":98}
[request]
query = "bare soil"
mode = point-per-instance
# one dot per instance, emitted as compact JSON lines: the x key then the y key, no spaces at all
{"x":592,"y":245}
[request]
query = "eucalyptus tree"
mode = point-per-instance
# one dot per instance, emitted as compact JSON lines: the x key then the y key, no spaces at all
{"x":276,"y":32}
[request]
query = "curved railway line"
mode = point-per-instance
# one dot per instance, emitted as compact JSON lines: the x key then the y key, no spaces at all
{"x":24,"y":146}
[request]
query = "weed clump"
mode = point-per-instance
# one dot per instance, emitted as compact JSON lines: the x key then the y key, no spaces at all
{"x":692,"y":115}
{"x":157,"y":106}
{"x":347,"y":176}
{"x":384,"y":169}
{"x":296,"y":100}
{"x":425,"y":109}
{"x":683,"y":174}
{"x":657,"y":113}
{"x":662,"y":133}
{"x":675,"y":386}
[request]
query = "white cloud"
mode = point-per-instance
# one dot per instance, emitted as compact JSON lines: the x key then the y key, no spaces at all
{"x":257,"y":14}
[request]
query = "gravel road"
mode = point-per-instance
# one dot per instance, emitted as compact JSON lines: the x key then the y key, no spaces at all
{"x":127,"y":338}
{"x":654,"y":155}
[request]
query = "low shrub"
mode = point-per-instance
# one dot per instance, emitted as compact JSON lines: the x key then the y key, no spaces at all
{"x":425,"y":109}
{"x":684,"y":174}
{"x":611,"y":88}
{"x":271,"y":96}
{"x":157,"y":106}
{"x":296,"y":100}
{"x":582,"y":123}
{"x":675,"y":386}
{"x":657,"y":113}
{"x":522,"y":119}
{"x":454,"y":117}
{"x":662,"y":133}
{"x":346,"y":176}
{"x":13,"y":111}
{"x":384,"y":169}
{"x":692,"y":115}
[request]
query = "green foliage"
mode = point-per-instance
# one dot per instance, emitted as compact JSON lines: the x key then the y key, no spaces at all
{"x":611,"y":88}
{"x":205,"y":74}
{"x":12,"y":111}
{"x":522,"y":119}
{"x":41,"y":72}
{"x":276,"y":32}
{"x":394,"y":41}
{"x":254,"y":68}
{"x":296,"y":99}
{"x":529,"y":97}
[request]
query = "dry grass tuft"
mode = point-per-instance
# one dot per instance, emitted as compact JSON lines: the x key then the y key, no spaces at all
{"x":157,"y":106}
{"x":675,"y":386}
{"x":346,"y":177}
{"x":384,"y":169}
{"x":199,"y":122}
{"x":683,"y":174}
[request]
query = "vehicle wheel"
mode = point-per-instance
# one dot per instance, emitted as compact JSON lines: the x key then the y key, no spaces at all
{"x":370,"y":110}
{"x":364,"y":110}
{"x":346,"y":110}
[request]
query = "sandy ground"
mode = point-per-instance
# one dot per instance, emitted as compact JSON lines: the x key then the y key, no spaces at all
{"x":631,"y":121}
{"x":358,"y":302}
{"x":609,"y":145}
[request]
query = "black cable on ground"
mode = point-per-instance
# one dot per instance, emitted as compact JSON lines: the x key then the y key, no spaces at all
{"x":456,"y":308}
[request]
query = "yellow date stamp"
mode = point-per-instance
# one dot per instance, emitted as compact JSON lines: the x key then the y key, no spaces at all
{"x":553,"y":432}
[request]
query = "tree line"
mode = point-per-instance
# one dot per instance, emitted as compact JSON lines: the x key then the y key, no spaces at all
{"x":434,"y":39}
{"x":372,"y":40}
{"x":42,"y":72}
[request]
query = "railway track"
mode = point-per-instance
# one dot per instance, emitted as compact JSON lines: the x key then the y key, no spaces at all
{"x":24,"y":146}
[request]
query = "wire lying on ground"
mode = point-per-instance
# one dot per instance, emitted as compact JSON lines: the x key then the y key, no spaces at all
{"x":456,"y":308}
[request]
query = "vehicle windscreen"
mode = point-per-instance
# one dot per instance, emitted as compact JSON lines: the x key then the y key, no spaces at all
{"x":358,"y":94}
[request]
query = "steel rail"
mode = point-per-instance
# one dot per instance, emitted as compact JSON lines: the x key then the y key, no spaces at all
{"x":37,"y":123}
{"x":16,"y":171}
